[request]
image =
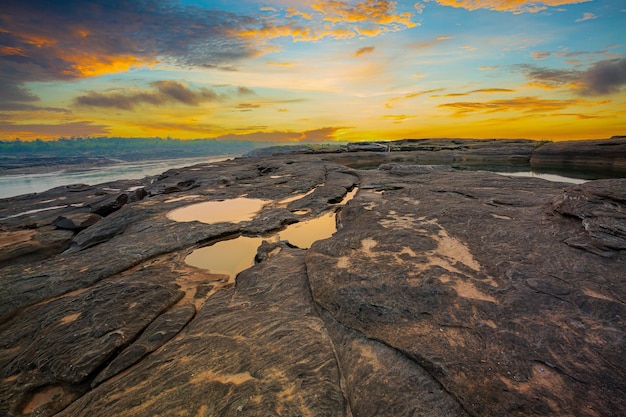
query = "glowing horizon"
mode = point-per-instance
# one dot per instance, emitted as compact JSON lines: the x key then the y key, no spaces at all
{"x":313,"y":70}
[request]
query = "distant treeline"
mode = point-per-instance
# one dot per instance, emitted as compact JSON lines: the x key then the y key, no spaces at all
{"x":125,"y":148}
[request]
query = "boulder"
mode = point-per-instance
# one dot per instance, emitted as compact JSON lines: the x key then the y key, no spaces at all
{"x":109,"y":204}
{"x":77,"y":221}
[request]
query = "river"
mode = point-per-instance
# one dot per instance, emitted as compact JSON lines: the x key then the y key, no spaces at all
{"x":18,"y":184}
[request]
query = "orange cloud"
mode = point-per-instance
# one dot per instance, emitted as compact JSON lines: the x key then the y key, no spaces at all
{"x":372,"y":11}
{"x":272,"y":32}
{"x":392,"y":102}
{"x":524,"y":104}
{"x":335,"y":20}
{"x":84,"y":64}
{"x":513,"y":6}
{"x":281,"y":64}
{"x":429,"y":43}
{"x":481,"y":90}
{"x":324,"y":134}
{"x":88,"y":39}
{"x":291,"y":12}
{"x":294,"y":31}
{"x":10,"y":50}
{"x":492,"y":90}
{"x":539,"y":55}
{"x":397,"y":118}
{"x":52,"y":131}
{"x":364,"y":50}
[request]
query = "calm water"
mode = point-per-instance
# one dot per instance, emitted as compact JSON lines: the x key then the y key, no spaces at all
{"x":12,"y":185}
{"x":231,"y":256}
{"x":547,"y":177}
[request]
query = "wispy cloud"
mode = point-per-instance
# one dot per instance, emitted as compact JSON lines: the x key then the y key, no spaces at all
{"x":324,"y":134}
{"x":247,"y":106}
{"x":523,"y":104}
{"x":513,"y":6}
{"x":291,"y":12}
{"x":550,"y":77}
{"x":586,"y":16}
{"x":479,"y":91}
{"x":429,"y":43}
{"x":364,"y":50}
{"x":492,"y":90}
{"x":281,"y":64}
{"x":32,"y":131}
{"x":163,"y":92}
{"x":397,"y":118}
{"x":19,"y":107}
{"x":392,"y":102}
{"x":539,"y":55}
{"x":245,"y":91}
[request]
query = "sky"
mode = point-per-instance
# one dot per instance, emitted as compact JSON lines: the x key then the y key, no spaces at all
{"x":313,"y":70}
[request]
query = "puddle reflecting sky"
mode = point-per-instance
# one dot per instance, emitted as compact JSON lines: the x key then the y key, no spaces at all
{"x":235,"y":210}
{"x":303,"y":234}
{"x":229,"y":257}
{"x":547,"y":177}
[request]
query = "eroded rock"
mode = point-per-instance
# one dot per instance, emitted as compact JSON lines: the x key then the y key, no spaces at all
{"x":443,"y":293}
{"x":77,"y":221}
{"x":466,"y":275}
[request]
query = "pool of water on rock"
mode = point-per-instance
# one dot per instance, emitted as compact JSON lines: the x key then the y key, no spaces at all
{"x":234,"y":211}
{"x":229,"y":257}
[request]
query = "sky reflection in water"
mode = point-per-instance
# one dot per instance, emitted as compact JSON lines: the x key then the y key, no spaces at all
{"x":233,"y":211}
{"x":229,"y":257}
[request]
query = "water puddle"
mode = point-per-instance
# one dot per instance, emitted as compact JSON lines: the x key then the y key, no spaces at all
{"x":303,"y":234}
{"x":229,"y":257}
{"x":211,"y":212}
{"x":547,"y":177}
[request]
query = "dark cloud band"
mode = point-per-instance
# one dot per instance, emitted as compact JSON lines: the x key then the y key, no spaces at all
{"x":163,"y":92}
{"x":49,"y":41}
{"x":603,"y":77}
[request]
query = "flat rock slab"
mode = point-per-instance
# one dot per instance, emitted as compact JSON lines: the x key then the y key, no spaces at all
{"x":443,"y":293}
{"x":470,"y":276}
{"x":256,"y":349}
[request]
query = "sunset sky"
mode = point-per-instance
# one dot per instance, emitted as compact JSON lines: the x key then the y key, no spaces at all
{"x":313,"y":70}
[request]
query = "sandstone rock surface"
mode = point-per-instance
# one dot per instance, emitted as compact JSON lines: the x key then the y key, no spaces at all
{"x":442,"y":293}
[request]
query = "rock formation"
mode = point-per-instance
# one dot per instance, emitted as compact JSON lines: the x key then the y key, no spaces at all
{"x":443,"y":293}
